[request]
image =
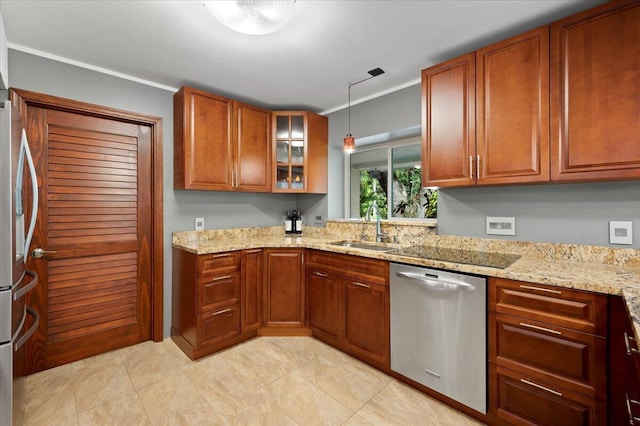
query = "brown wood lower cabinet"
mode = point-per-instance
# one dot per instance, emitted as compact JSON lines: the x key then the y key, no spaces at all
{"x":348,"y":304}
{"x":283,"y":293}
{"x":547,"y":355}
{"x":216,"y":299}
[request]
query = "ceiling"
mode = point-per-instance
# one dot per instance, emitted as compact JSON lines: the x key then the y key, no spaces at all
{"x":308,"y":64}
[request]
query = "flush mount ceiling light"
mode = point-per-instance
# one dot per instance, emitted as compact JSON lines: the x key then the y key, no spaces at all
{"x":349,"y":143}
{"x":255,"y":17}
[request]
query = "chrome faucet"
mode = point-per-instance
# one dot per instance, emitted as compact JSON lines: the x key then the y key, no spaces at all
{"x":379,"y":234}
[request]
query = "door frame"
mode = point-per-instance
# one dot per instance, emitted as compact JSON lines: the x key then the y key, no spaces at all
{"x":23,"y":99}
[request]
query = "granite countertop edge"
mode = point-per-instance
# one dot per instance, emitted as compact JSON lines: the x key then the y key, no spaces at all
{"x":595,"y":277}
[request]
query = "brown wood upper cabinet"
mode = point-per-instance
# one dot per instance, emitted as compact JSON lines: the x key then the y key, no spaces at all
{"x":595,"y":95}
{"x":300,"y":149}
{"x":485,"y":115}
{"x":220,"y":144}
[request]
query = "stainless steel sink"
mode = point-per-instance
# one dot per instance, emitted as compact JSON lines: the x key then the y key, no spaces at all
{"x":359,"y":245}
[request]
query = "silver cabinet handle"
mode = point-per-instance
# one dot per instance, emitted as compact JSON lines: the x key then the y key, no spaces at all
{"x":627,"y":344}
{"x":471,"y":166}
{"x":320,"y":274}
{"x":544,"y":388}
{"x":223,"y":311}
{"x":37,"y":253}
{"x":478,"y":166}
{"x":436,"y":284}
{"x":530,"y":287}
{"x":632,"y":419}
{"x":360,"y":284}
{"x":224,"y":277}
{"x":535,"y":327}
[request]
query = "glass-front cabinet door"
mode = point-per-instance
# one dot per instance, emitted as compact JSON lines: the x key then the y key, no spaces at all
{"x":290,"y":151}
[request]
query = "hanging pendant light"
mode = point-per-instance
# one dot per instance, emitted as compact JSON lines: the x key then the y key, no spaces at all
{"x":349,"y":142}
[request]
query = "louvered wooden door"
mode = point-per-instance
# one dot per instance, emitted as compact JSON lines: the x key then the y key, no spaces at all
{"x":95,"y":210}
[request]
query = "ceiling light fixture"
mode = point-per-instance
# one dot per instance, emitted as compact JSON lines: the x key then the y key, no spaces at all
{"x":349,"y":143}
{"x":255,"y":17}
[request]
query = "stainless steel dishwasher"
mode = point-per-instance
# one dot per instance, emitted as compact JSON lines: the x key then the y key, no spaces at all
{"x":438,"y":332}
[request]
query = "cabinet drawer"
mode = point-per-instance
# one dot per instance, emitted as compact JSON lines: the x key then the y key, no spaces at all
{"x":361,"y":268}
{"x":218,"y":264}
{"x":521,"y":400}
{"x":216,"y":326}
{"x":577,"y":310}
{"x":565,"y":357}
{"x":218,"y":291}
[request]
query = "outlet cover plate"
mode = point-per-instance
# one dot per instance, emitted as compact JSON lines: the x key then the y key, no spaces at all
{"x":620,"y":232}
{"x":199,"y":223}
{"x":501,"y":225}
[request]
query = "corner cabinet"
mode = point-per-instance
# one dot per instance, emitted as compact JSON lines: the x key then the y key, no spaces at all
{"x":485,"y":115}
{"x":216,"y":299}
{"x":220,"y":144}
{"x":300,"y":152}
{"x":595,"y":95}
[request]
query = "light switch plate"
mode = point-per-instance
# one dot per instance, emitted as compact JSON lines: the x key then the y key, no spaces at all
{"x":501,"y":225}
{"x":199,"y":223}
{"x":620,"y":232}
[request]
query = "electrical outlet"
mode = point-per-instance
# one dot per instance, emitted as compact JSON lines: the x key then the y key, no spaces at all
{"x":501,"y":225}
{"x":318,"y":220}
{"x":199,"y":223}
{"x":620,"y":232}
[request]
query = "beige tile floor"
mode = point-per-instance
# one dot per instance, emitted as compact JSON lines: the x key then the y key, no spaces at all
{"x":265,"y":381}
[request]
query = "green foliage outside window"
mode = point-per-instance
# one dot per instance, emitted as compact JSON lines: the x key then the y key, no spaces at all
{"x":368,"y":195}
{"x":414,"y":201}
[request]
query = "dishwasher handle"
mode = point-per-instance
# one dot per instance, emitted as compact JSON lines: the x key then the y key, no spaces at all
{"x":436,"y":284}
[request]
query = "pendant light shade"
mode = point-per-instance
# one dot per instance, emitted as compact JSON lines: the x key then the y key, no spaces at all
{"x":349,"y":142}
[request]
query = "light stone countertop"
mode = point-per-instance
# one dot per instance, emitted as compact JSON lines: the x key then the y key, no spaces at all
{"x":595,"y":269}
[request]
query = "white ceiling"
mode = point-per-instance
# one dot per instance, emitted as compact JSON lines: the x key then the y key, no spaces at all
{"x":307,"y":64}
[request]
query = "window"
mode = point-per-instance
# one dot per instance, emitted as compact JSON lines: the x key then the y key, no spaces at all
{"x":399,"y":194}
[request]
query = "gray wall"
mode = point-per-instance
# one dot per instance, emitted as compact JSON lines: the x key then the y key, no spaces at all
{"x":220,"y":209}
{"x":567,"y":213}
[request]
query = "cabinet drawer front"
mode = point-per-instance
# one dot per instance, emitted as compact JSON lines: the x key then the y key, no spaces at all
{"x":568,"y":358}
{"x":217,"y":291}
{"x":371,"y":270}
{"x":216,"y":326}
{"x":218,"y":263}
{"x":578,"y":310}
{"x":520,"y":400}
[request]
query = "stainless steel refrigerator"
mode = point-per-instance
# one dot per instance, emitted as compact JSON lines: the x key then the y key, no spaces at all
{"x":17,"y":320}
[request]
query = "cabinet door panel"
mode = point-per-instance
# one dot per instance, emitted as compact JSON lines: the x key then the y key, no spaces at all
{"x":513,"y":109}
{"x":448,"y":122}
{"x":252,"y":276}
{"x":283,"y":296}
{"x":366,"y":330}
{"x":323,"y":301}
{"x":203,"y":157}
{"x":595,"y":103}
{"x":253,"y":149}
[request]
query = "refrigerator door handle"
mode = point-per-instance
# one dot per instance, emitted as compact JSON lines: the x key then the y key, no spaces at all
{"x":36,"y":322}
{"x":24,"y":290}
{"x":34,"y":185}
